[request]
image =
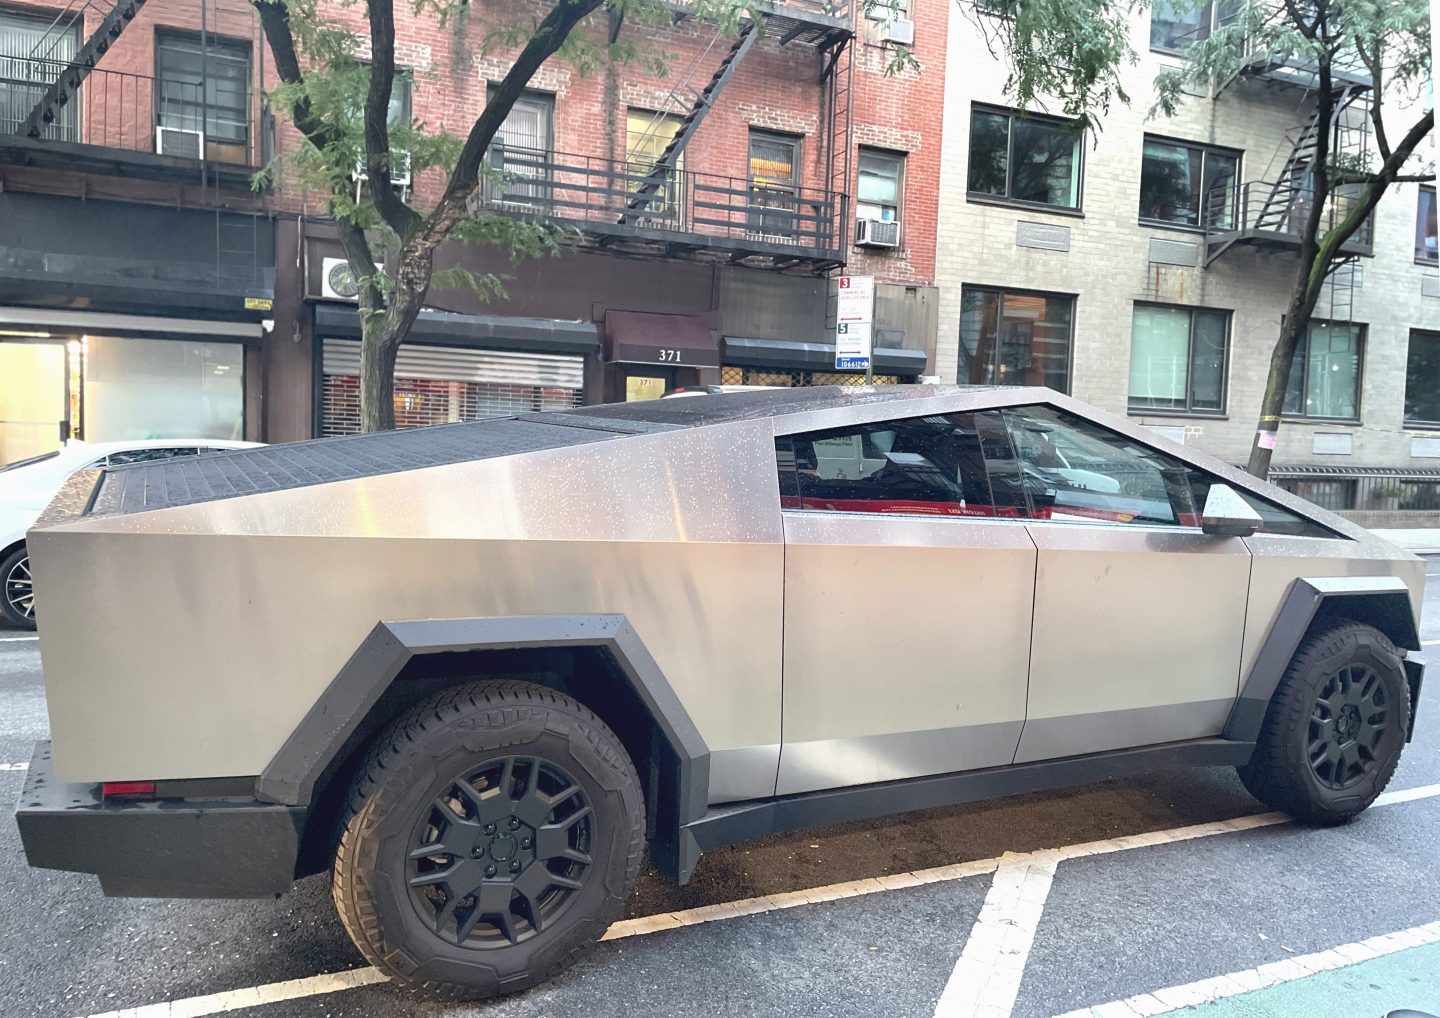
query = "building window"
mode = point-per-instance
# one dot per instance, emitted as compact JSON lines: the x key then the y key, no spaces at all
{"x":880,"y":185}
{"x":31,"y":57}
{"x":163,"y":388}
{"x":1325,"y":377}
{"x":1188,"y":185}
{"x":1425,"y":245}
{"x":1028,"y":159}
{"x":205,"y":88}
{"x":1422,"y":380}
{"x":1013,"y":338}
{"x":1177,"y":359}
{"x":647,"y":135}
{"x":1175,"y":24}
{"x":523,"y":150}
{"x":774,"y":171}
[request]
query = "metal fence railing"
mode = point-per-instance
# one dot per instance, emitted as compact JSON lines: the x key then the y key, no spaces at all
{"x":1374,"y":490}
{"x":1281,"y":209}
{"x":123,"y":110}
{"x":619,"y":198}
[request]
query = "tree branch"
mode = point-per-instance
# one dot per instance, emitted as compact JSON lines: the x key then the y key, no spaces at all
{"x":275,"y":22}
{"x":392,"y":208}
{"x":548,"y":38}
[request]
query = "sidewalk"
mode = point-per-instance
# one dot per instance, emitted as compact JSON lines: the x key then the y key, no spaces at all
{"x":1421,"y":541}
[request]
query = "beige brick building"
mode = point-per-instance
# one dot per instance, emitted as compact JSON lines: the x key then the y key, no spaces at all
{"x":1087,"y":267}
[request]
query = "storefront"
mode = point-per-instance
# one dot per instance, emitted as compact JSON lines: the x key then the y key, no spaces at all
{"x":454,"y":368}
{"x":109,"y":377}
{"x":648,"y":354}
{"x":754,"y":361}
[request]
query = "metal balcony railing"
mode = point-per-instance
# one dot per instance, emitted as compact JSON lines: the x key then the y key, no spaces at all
{"x":122,"y":110}
{"x":1274,"y":214}
{"x":686,"y":210}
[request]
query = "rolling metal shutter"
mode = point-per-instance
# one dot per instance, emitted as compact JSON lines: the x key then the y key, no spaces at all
{"x":442,"y":385}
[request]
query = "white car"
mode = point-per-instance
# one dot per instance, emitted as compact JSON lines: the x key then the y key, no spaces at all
{"x":26,"y":488}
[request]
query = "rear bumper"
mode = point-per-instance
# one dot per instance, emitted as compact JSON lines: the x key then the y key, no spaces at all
{"x":165,"y":849}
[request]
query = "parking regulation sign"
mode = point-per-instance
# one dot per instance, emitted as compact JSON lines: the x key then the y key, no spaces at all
{"x":854,"y":316}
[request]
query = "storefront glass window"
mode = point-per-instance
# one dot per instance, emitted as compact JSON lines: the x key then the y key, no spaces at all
{"x":163,"y":388}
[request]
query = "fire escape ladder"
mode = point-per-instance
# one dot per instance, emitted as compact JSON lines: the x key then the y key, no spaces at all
{"x":67,"y":83}
{"x":664,"y":167}
{"x":1292,"y":182}
{"x":838,"y":71}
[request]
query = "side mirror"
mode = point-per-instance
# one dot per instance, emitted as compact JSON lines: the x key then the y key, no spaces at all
{"x":1226,"y":514}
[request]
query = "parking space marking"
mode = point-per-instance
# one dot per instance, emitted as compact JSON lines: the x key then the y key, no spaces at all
{"x":1287,"y":970}
{"x":219,"y":1003}
{"x":16,"y":639}
{"x":986,"y":979}
{"x":254,"y":996}
{"x":15,"y":767}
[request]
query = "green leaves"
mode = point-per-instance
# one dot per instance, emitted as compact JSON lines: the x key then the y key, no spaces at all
{"x":1067,"y":56}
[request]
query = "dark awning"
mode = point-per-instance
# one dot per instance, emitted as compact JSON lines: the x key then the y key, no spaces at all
{"x":446,"y":328}
{"x":640,"y":337}
{"x":793,"y":355}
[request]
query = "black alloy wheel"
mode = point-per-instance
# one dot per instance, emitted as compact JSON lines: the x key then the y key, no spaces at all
{"x":500,"y":854}
{"x":1347,"y":726}
{"x":1335,"y":726}
{"x":492,"y":833}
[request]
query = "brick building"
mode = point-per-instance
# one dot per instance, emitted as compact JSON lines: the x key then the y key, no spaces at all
{"x":1146,"y":270}
{"x":146,"y":288}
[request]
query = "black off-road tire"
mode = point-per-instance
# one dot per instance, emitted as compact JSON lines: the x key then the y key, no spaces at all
{"x":1331,"y":662}
{"x":414,"y":766}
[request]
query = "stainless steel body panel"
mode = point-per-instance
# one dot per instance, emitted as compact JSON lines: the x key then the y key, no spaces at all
{"x":1132,"y":620}
{"x":188,"y":641}
{"x":906,"y":646}
{"x":1278,"y":560}
{"x":264,"y":598}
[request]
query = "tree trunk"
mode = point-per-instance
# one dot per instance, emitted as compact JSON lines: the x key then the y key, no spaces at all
{"x":381,"y":333}
{"x":1262,"y":446}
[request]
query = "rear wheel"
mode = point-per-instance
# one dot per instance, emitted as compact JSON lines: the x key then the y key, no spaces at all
{"x":1335,"y":726}
{"x":493,"y":833}
{"x":17,"y":589}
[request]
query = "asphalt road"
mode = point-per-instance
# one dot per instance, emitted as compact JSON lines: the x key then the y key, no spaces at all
{"x":1124,"y":922}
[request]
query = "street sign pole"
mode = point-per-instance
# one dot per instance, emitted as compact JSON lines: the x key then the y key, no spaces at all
{"x":870,"y":354}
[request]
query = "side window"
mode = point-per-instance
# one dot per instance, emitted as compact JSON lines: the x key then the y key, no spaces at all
{"x":149,"y":455}
{"x":944,"y":465}
{"x":1076,"y":470}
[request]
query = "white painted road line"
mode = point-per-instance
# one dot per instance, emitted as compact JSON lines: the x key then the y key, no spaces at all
{"x":254,"y":996}
{"x":1287,"y":970}
{"x":15,"y":767}
{"x":16,"y":639}
{"x":986,"y":979}
{"x":1429,"y":643}
{"x":218,"y":1003}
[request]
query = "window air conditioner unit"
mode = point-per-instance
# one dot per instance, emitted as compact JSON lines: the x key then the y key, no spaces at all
{"x":175,"y":141}
{"x":399,"y":169}
{"x":877,"y":233}
{"x":337,"y":281}
{"x":898,"y":30}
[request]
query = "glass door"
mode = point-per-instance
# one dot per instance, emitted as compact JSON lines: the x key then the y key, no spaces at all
{"x":33,"y":417}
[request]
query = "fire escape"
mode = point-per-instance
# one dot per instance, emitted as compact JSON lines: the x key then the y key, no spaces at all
{"x":65,"y":77}
{"x":1269,"y":214}
{"x":664,"y":208}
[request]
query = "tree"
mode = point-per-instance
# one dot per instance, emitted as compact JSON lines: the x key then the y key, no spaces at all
{"x":1074,"y":53}
{"x":341,"y":103}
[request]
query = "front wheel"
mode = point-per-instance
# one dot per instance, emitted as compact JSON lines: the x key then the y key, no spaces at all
{"x":1335,"y":726}
{"x":493,"y":833}
{"x":17,"y":589}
